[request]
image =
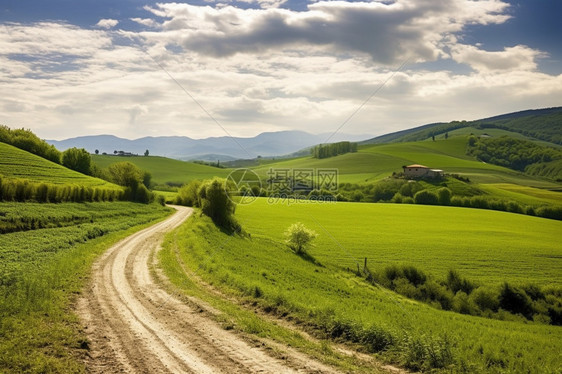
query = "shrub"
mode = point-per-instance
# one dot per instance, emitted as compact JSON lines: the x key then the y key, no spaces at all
{"x":414,"y":275}
{"x":456,"y":283}
{"x":410,"y":189}
{"x":357,"y":196}
{"x":444,"y":196}
{"x":377,"y":339}
{"x":479,"y":202}
{"x":143,"y":195}
{"x":550,"y":212}
{"x":485,"y":299}
{"x":397,"y":198}
{"x":434,"y":291}
{"x":298,"y":237}
{"x":426,"y":197}
{"x":462,"y":304}
{"x":385,"y":190}
{"x":215,"y":203}
{"x":161,"y":199}
{"x":515,"y":300}
{"x":188,"y":194}
{"x":407,"y":200}
{"x":514,"y":207}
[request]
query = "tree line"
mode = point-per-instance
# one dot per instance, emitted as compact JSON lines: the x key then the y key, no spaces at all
{"x":517,"y":154}
{"x":333,"y":149}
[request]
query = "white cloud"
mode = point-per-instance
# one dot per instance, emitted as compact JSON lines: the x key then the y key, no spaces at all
{"x":107,"y":23}
{"x":149,"y":22}
{"x":387,"y":32}
{"x":66,"y":81}
{"x":519,"y":57}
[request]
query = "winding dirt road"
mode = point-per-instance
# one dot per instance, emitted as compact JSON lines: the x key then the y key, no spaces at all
{"x":135,"y":326}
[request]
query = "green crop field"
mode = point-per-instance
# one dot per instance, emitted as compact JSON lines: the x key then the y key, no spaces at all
{"x":487,"y":247}
{"x":16,"y":163}
{"x":46,"y":251}
{"x":165,"y":169}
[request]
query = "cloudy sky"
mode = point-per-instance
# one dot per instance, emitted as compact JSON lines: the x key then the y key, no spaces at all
{"x":202,"y":68}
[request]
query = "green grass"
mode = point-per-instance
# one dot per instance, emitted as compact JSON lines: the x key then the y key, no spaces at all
{"x":485,"y":246}
{"x":165,"y":169}
{"x":168,"y":195}
{"x":373,"y":163}
{"x":240,"y":314}
{"x":16,"y":163}
{"x":42,"y":270}
{"x":523,"y":194}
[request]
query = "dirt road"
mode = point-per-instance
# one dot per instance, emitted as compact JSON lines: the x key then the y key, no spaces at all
{"x":135,"y":326}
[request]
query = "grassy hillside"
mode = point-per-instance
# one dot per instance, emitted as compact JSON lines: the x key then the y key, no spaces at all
{"x":16,"y":163}
{"x":375,"y":162}
{"x":478,"y":243}
{"x":164,"y":169}
{"x":540,"y":124}
{"x":46,"y":252}
{"x":489,"y":247}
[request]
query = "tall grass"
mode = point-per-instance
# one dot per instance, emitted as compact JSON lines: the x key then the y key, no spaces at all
{"x":42,"y":270}
{"x":334,"y":303}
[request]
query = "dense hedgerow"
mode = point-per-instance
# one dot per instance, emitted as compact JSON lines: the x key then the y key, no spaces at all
{"x":530,"y":302}
{"x":22,"y":190}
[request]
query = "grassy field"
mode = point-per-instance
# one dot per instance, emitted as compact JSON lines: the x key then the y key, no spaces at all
{"x":46,"y":251}
{"x":15,"y":163}
{"x":485,"y":246}
{"x":165,"y":169}
{"x":370,"y":164}
{"x":375,"y":162}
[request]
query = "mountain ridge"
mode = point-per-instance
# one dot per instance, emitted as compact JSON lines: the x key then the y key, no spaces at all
{"x":222,"y":148}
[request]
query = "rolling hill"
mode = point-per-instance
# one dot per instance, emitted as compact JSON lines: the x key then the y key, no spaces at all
{"x":16,"y":163}
{"x":165,"y":170}
{"x":377,"y":161}
{"x":536,"y":124}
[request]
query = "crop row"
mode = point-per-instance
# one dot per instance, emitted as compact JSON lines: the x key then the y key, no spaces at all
{"x":24,"y":190}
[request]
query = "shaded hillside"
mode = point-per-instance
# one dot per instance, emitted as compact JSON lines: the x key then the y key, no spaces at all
{"x":517,"y":154}
{"x":542,"y":124}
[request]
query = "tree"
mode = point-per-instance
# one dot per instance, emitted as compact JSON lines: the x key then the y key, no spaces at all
{"x":126,"y":174}
{"x":298,"y":237}
{"x":131,"y":177}
{"x":216,"y":204}
{"x":78,"y":160}
{"x":146,"y":153}
{"x":97,"y":151}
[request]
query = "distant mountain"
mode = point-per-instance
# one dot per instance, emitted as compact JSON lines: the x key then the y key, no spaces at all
{"x":210,"y":149}
{"x":542,"y":124}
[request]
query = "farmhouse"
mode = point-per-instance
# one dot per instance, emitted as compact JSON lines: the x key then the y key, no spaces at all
{"x":416,"y":171}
